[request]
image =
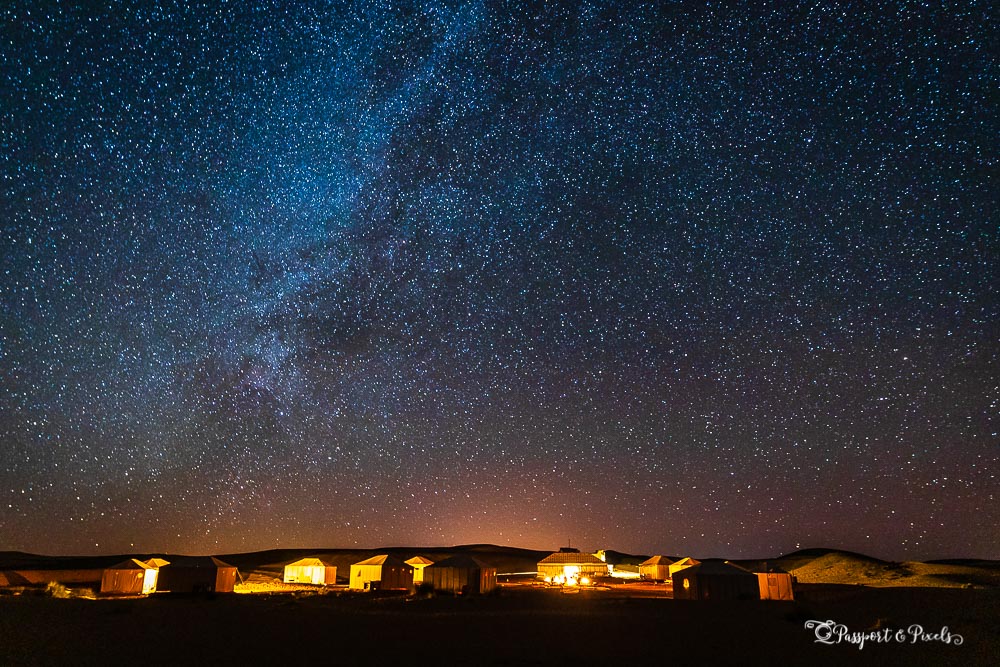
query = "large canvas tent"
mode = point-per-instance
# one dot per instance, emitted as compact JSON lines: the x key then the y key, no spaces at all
{"x":775,"y":585}
{"x":418,"y":563}
{"x":383,"y":572}
{"x":33,"y":577}
{"x":310,"y":571}
{"x":130,"y":577}
{"x":461,"y":574}
{"x":656,"y":568}
{"x":715,"y":580}
{"x":196,"y":574}
{"x":571,"y":565}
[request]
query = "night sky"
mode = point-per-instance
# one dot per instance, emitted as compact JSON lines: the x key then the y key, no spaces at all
{"x":662,"y":278}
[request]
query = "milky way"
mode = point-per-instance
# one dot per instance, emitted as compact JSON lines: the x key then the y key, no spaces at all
{"x":662,"y":278}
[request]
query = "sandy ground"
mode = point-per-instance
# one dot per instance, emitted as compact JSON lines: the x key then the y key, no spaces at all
{"x":520,"y":626}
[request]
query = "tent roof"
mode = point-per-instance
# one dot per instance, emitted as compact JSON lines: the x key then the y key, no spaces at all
{"x":382,"y":559}
{"x":419,"y":560}
{"x":687,"y":561}
{"x":157,"y":562}
{"x":131,"y":564}
{"x":461,"y":562}
{"x":563,"y":558}
{"x":198,"y":561}
{"x":308,"y":562}
{"x":718,"y":567}
{"x":657,"y":560}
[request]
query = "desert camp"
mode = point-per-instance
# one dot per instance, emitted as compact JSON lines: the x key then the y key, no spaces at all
{"x":463,"y":592}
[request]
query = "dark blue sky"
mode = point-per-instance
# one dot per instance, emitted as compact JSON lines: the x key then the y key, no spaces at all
{"x":663,"y":277}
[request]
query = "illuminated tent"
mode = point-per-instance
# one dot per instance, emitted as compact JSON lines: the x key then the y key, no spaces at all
{"x":680,"y":565}
{"x":310,"y":571}
{"x":715,"y":580}
{"x":571,"y":565}
{"x":419,"y":563}
{"x":656,"y":568}
{"x":196,"y":574}
{"x":775,"y":584}
{"x":130,"y":577}
{"x":461,"y":574}
{"x":384,"y":572}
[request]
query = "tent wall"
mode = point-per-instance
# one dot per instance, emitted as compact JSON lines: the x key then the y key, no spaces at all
{"x":225,"y":580}
{"x":363,"y":575}
{"x":396,"y":577}
{"x":775,"y":586}
{"x":655,"y":572}
{"x":558,"y":569}
{"x":310,"y":571}
{"x":389,"y":577}
{"x":199,"y":579}
{"x":125,"y":582}
{"x":149,"y":581}
{"x":714,"y":586}
{"x":461,"y":580}
{"x":305,"y":574}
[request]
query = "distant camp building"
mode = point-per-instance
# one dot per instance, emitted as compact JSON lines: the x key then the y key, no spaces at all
{"x":462,"y":574}
{"x":680,"y":565}
{"x":310,"y":571}
{"x":195,"y":574}
{"x":130,"y":577}
{"x":571,"y":565}
{"x":656,"y":568}
{"x":419,"y":563}
{"x":775,"y":584}
{"x":383,"y":572}
{"x":715,"y":580}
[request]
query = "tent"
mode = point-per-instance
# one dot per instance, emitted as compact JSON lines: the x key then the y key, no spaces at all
{"x":310,"y":571}
{"x":656,"y":568}
{"x":385,"y":572}
{"x":715,"y":580}
{"x":775,"y":585}
{"x":419,"y":563}
{"x":130,"y":577}
{"x":566,"y":565}
{"x":680,"y":565}
{"x":196,"y":574}
{"x":461,"y":574}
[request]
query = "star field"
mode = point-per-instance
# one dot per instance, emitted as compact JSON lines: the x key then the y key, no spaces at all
{"x":660,"y":277}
